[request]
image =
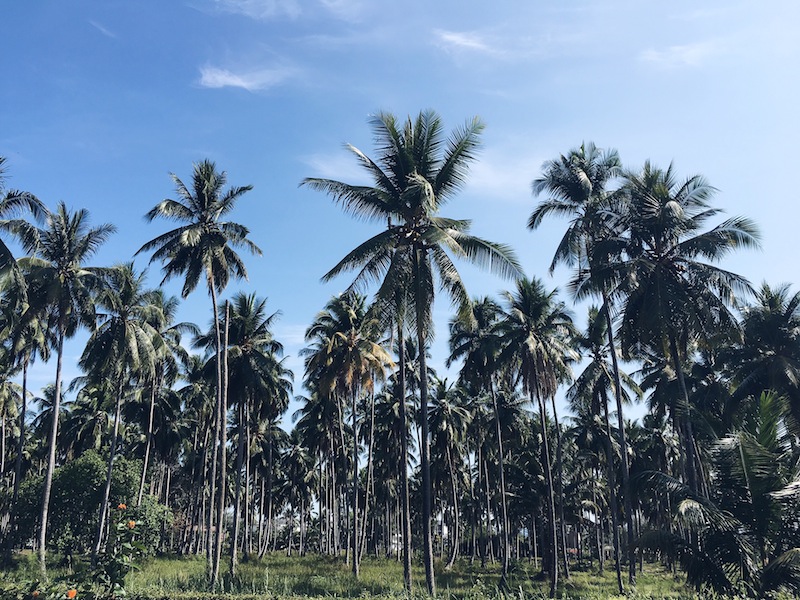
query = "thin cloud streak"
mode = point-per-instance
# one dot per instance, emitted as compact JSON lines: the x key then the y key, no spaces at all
{"x":686,"y":55}
{"x":105,"y":31}
{"x":261,"y":9}
{"x":214,"y":77}
{"x":461,"y":40}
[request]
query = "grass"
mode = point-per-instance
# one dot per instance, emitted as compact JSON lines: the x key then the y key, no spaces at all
{"x":279,"y":576}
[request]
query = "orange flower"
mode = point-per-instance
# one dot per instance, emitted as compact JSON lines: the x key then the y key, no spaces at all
{"x":35,"y":593}
{"x":72,"y":593}
{"x":122,"y":506}
{"x":131,"y":524}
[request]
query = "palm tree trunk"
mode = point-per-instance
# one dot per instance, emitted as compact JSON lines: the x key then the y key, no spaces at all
{"x":21,"y":441}
{"x":51,"y":457}
{"x":404,"y":492}
{"x":223,"y":460}
{"x":148,"y":444}
{"x":454,"y":491}
{"x":503,"y":502}
{"x":688,"y":442}
{"x":370,"y":484}
{"x":355,"y":538}
{"x":425,"y":461}
{"x":612,"y":492}
{"x":560,"y":485}
{"x":98,"y":542}
{"x":551,"y":508}
{"x":623,"y":443}
{"x":237,"y":504}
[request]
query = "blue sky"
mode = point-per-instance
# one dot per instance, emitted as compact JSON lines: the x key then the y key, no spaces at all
{"x":103,"y":99}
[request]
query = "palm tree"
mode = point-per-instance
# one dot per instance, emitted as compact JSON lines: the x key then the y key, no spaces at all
{"x":476,"y":336}
{"x":449,"y":418}
{"x":13,"y":202}
{"x":768,"y":357}
{"x":30,"y":339}
{"x":63,"y":289}
{"x":416,"y":173}
{"x":672,"y":296}
{"x":576,"y":185}
{"x":167,"y":364}
{"x":745,"y":535}
{"x":589,"y":395}
{"x":255,"y":371}
{"x":350,"y":362}
{"x":203,"y":246}
{"x":124,"y":347}
{"x":536,"y":331}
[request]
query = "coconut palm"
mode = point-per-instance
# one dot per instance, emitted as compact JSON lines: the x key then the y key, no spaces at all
{"x":167,"y":366}
{"x":255,"y":372}
{"x":589,"y":395}
{"x":203,"y":247}
{"x":12,"y":203}
{"x":416,"y":173}
{"x":61,"y":288}
{"x":768,"y":356}
{"x":576,"y":186}
{"x":745,"y":534}
{"x":449,"y":418}
{"x":476,"y":336}
{"x":672,"y":296}
{"x":29,"y":339}
{"x":124,"y":347}
{"x":536,"y":335}
{"x":349,"y":361}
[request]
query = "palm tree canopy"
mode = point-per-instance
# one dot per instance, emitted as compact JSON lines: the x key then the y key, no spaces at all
{"x":203,"y":245}
{"x":416,"y":172}
{"x":59,"y":283}
{"x":668,"y":283}
{"x":537,"y":330}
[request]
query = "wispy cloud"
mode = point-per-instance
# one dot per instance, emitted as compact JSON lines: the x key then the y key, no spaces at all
{"x":687,"y":55}
{"x":504,"y":174}
{"x":347,"y":10}
{"x":463,"y":40}
{"x":261,"y":9}
{"x":105,"y":31}
{"x":253,"y":80}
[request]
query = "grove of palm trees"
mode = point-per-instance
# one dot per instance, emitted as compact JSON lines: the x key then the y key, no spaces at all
{"x":636,"y":431}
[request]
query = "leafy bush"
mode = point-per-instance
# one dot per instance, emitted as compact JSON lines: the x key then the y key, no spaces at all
{"x":75,"y":501}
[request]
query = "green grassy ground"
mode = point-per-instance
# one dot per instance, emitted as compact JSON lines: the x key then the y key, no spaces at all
{"x":302,"y":578}
{"x":279,"y":576}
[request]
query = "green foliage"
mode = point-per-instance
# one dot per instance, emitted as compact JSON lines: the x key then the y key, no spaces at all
{"x":151,"y":518}
{"x":75,"y":501}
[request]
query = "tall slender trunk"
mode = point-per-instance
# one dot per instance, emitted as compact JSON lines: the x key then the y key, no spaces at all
{"x":405,"y":509}
{"x":560,"y":486}
{"x":623,"y":443}
{"x":210,"y":558}
{"x":237,"y":504}
{"x":51,"y":457}
{"x":454,"y":491}
{"x":689,"y":443}
{"x":503,"y":501}
{"x":370,"y":484}
{"x":223,"y":454}
{"x":21,"y":440}
{"x":355,"y":537}
{"x":98,"y":542}
{"x":148,"y":443}
{"x":551,"y":508}
{"x":425,"y":462}
{"x":612,"y":492}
